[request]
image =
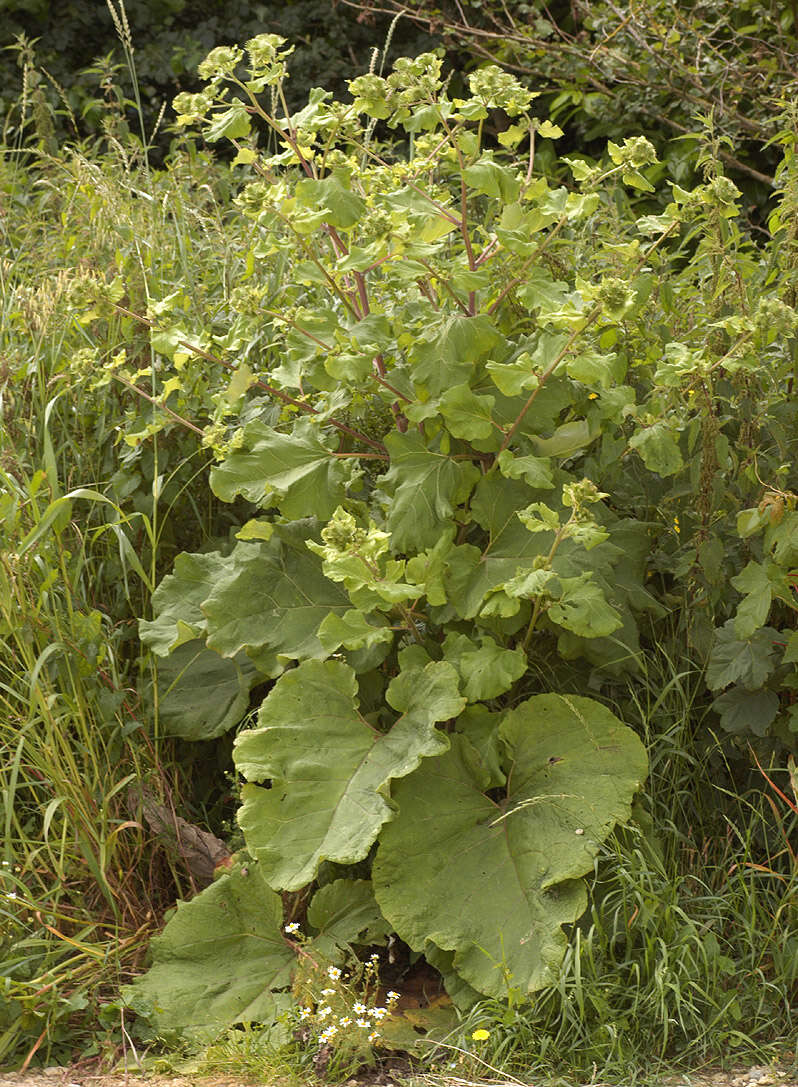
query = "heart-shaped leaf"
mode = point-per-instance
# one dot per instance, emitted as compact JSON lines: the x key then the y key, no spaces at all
{"x":495,"y":880}
{"x":329,"y":767}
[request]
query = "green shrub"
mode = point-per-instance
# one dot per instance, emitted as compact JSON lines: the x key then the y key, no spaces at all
{"x":490,"y":431}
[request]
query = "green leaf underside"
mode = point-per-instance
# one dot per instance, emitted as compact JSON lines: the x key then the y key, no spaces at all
{"x":571,"y":767}
{"x":221,"y":959}
{"x":329,"y":768}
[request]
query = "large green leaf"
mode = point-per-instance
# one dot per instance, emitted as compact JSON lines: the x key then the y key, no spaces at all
{"x":295,"y":472}
{"x":583,"y":608}
{"x":342,"y":208}
{"x":329,"y":768}
{"x":271,"y":600}
{"x":446,"y":355}
{"x":486,"y":670}
{"x":472,"y":573}
{"x":658,"y":446}
{"x":748,"y":661}
{"x":467,"y":415}
{"x":202,"y":695}
{"x":221,"y":959}
{"x":426,"y":487}
{"x":494,"y":880}
{"x":176,"y":602}
{"x":345,"y":912}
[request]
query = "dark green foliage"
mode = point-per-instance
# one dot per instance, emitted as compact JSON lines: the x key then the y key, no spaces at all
{"x":604,"y":68}
{"x":170,"y":37}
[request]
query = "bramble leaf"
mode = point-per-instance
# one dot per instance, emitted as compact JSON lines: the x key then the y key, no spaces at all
{"x":752,"y":612}
{"x":748,"y":661}
{"x":743,"y":711}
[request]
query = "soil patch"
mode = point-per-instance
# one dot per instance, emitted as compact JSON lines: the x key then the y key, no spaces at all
{"x":756,"y":1076}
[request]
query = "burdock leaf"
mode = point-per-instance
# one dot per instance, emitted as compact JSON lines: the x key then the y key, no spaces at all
{"x":202,"y":695}
{"x":329,"y":768}
{"x":345,"y":912}
{"x":583,"y":608}
{"x":271,"y":599}
{"x":494,"y":880}
{"x":176,"y":602}
{"x":426,"y":487}
{"x":295,"y":472}
{"x":222,"y":959}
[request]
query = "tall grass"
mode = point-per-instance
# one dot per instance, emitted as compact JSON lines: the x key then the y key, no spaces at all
{"x":88,"y":523}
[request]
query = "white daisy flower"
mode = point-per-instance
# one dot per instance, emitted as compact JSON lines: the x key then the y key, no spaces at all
{"x":291,"y":928}
{"x":333,"y":973}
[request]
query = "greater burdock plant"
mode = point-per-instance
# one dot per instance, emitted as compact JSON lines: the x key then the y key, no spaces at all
{"x":483,"y":427}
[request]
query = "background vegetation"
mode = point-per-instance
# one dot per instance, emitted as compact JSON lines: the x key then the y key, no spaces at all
{"x":689,"y":949}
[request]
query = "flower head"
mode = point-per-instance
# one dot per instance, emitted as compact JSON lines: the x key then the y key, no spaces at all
{"x":291,"y":928}
{"x":333,"y":973}
{"x":480,"y":1035}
